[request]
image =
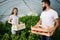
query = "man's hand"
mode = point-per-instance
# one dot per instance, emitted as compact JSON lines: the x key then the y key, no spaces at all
{"x":52,"y":30}
{"x":36,"y":26}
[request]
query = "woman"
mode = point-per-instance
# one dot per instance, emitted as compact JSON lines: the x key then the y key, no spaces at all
{"x":13,"y":19}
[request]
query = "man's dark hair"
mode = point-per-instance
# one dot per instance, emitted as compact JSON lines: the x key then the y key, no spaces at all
{"x":46,"y":1}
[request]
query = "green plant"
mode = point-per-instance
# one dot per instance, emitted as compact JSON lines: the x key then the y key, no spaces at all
{"x":29,"y":20}
{"x":23,"y":36}
{"x":2,"y":27}
{"x":33,"y":37}
{"x":5,"y":37}
{"x":5,"y":29}
{"x":57,"y":34}
{"x":14,"y":37}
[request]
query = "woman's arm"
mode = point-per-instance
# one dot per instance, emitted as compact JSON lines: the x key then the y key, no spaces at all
{"x":10,"y":21}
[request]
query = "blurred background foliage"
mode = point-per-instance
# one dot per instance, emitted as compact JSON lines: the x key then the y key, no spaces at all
{"x":25,"y":34}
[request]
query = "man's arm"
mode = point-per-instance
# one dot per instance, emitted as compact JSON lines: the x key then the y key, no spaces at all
{"x":38,"y":23}
{"x":55,"y":27}
{"x":56,"y":23}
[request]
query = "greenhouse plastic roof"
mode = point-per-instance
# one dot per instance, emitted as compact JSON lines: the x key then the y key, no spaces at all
{"x":25,"y":7}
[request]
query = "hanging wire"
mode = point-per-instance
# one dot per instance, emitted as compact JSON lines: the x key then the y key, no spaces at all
{"x":14,"y":5}
{"x":3,"y":16}
{"x":58,"y":1}
{"x":27,"y":5}
{"x":3,"y":1}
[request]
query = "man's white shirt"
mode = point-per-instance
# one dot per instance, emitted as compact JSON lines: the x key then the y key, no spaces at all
{"x":48,"y":17}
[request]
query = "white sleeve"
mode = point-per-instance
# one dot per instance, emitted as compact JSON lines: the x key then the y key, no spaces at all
{"x":10,"y":17}
{"x":41,"y":15}
{"x":55,"y":15}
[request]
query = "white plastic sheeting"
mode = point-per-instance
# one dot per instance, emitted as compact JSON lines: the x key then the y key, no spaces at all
{"x":25,"y":7}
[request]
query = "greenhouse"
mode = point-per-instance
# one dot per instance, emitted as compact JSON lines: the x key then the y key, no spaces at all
{"x":29,"y":12}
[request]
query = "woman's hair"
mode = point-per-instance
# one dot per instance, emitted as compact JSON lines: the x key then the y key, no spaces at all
{"x":13,"y":11}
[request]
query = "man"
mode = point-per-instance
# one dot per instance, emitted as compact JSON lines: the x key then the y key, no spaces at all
{"x":48,"y":17}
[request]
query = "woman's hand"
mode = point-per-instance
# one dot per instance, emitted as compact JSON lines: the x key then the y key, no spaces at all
{"x":10,"y":21}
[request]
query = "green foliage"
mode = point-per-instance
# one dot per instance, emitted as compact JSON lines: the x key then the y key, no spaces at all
{"x":1,"y":27}
{"x":5,"y":29}
{"x":33,"y":37}
{"x":14,"y":37}
{"x":57,"y":34}
{"x":5,"y":37}
{"x":23,"y":36}
{"x":29,"y":20}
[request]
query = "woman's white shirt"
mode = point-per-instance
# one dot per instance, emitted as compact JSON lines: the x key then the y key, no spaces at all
{"x":14,"y":20}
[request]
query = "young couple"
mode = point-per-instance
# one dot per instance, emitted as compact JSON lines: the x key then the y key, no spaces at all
{"x":48,"y":17}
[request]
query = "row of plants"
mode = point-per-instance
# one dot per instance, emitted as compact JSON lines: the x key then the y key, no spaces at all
{"x":25,"y":34}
